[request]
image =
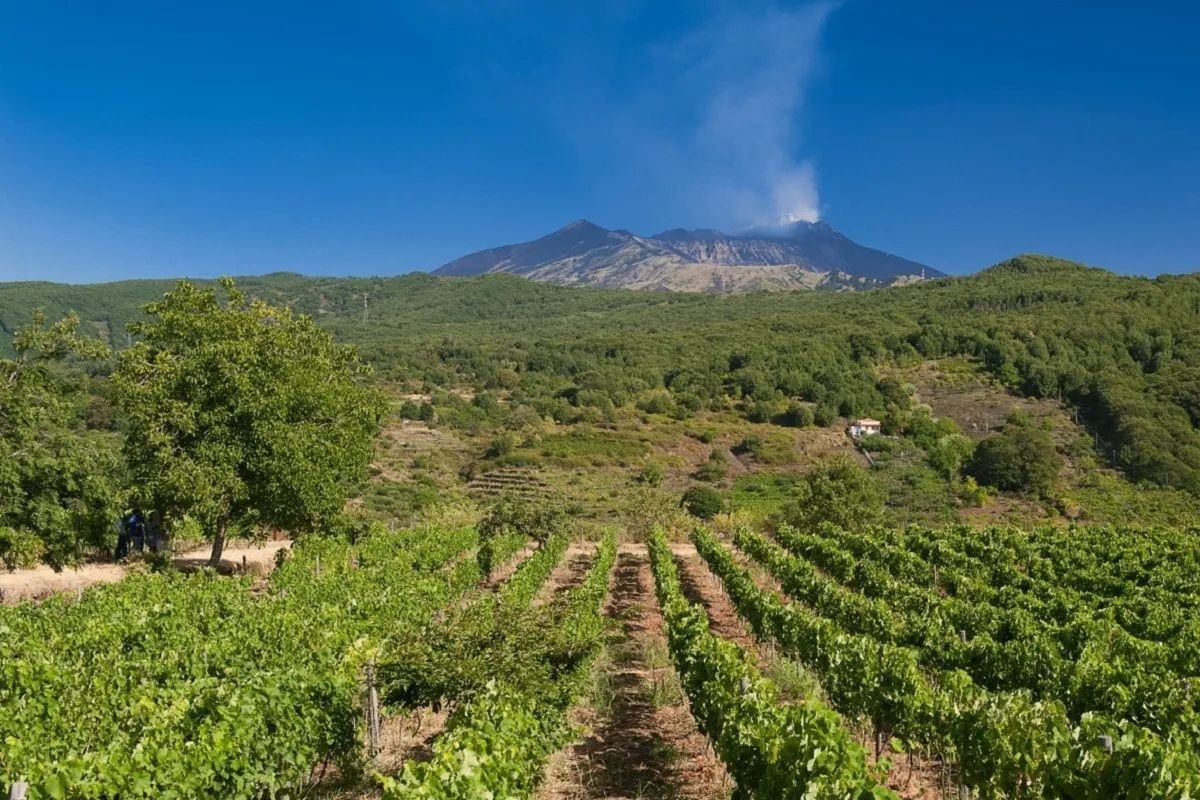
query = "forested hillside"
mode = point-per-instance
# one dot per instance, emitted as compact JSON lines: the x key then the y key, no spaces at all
{"x":1124,"y":351}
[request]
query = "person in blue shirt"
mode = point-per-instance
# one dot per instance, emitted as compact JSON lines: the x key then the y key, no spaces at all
{"x":135,"y":530}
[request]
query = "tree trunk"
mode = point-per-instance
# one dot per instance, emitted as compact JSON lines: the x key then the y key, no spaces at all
{"x":214,"y":560}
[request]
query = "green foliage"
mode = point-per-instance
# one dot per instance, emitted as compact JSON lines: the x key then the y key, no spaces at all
{"x":949,"y":453}
{"x":497,"y":744}
{"x":586,"y":445}
{"x":1122,"y":350}
{"x":409,"y":409}
{"x":502,"y":444}
{"x":771,"y":749}
{"x":537,"y":521}
{"x":763,"y":493}
{"x":703,"y":502}
{"x":242,"y":415}
{"x":497,"y":548}
{"x":824,"y":415}
{"x":752,"y":445}
{"x":1021,"y":459}
{"x":915,"y":493}
{"x":878,"y":622}
{"x":715,"y":468}
{"x":652,"y":474}
{"x":798,"y":415}
{"x":926,"y":431}
{"x":173,"y":685}
{"x":58,"y":488}
{"x":839,"y":491}
{"x":972,"y":493}
{"x":761,"y":410}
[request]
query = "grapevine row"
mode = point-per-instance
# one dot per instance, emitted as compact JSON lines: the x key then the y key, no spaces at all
{"x":497,"y":745}
{"x":1099,"y":668}
{"x":771,"y":749}
{"x":1005,"y":743}
{"x":195,"y":686}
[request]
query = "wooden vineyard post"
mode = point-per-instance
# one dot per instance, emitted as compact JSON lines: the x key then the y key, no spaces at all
{"x":243,"y":563}
{"x":372,"y":710}
{"x":318,"y":567}
{"x":17,"y":791}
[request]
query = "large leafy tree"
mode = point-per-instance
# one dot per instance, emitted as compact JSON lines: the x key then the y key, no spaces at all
{"x":58,"y":490}
{"x":242,"y":415}
{"x":1021,"y":459}
{"x":839,"y":491}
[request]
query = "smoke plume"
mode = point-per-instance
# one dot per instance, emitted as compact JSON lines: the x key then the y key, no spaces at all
{"x":710,"y":128}
{"x":751,"y":68}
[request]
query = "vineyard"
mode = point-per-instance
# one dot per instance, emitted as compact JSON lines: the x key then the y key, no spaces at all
{"x":1013,"y":664}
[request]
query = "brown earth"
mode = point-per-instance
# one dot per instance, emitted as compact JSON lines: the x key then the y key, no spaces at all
{"x":41,"y":582}
{"x":569,"y":573}
{"x":700,"y":586}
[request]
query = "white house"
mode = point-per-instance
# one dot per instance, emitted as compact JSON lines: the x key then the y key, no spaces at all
{"x":864,"y":427}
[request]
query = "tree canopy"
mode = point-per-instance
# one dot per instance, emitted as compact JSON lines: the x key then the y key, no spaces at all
{"x":242,"y":415}
{"x":839,"y":491}
{"x":58,"y":480}
{"x":1021,"y":459}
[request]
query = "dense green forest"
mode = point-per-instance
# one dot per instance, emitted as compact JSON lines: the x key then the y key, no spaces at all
{"x":1123,"y":351}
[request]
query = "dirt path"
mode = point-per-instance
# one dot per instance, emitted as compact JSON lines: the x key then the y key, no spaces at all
{"x":641,"y":740}
{"x":505,"y":570}
{"x":569,"y":572}
{"x":699,"y":585}
{"x":41,"y":582}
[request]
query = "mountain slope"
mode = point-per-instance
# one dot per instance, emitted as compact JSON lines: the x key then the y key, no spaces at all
{"x":801,"y":255}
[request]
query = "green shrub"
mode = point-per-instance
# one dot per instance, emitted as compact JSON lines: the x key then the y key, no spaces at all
{"x":752,"y":445}
{"x":1022,"y":459}
{"x":652,"y":474}
{"x":797,"y":416}
{"x":410,"y":409}
{"x":703,"y":502}
{"x":714,"y":469}
{"x":825,"y":415}
{"x":760,"y":411}
{"x":840,"y":491}
{"x":949,"y":454}
{"x":501,"y":445}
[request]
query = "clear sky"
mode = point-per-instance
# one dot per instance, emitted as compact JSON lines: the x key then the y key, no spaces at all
{"x":363,"y":137}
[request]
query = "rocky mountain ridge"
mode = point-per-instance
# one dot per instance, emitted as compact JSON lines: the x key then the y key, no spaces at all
{"x":801,"y":255}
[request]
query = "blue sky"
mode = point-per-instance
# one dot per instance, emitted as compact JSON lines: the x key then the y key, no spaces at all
{"x":363,"y":137}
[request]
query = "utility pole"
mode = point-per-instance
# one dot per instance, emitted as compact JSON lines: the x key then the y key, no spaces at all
{"x":364,"y":309}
